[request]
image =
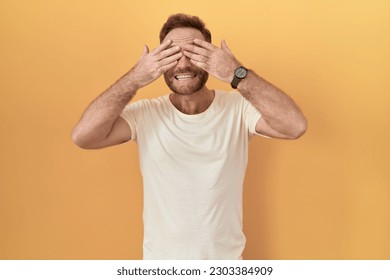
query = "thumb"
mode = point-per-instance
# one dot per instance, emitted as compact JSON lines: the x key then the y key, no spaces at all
{"x":145,"y":51}
{"x":225,"y":47}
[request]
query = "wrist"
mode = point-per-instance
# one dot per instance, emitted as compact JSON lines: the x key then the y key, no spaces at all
{"x":131,"y":82}
{"x":239,"y":74}
{"x":125,"y":86}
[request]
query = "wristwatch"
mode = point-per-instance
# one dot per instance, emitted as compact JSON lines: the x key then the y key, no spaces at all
{"x":239,"y":74}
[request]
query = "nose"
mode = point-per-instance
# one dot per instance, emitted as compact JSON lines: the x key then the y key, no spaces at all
{"x":183,"y":62}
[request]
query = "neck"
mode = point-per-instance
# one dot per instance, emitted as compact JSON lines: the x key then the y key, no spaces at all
{"x":195,"y":103}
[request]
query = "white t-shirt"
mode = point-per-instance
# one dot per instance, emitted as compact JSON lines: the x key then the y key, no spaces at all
{"x":193,"y":168}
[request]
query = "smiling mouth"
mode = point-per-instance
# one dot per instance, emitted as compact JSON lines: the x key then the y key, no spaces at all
{"x":184,"y":76}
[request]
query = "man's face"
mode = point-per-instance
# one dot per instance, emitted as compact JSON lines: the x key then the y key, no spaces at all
{"x":185,"y":78}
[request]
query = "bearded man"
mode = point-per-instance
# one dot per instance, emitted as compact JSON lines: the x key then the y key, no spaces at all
{"x":193,"y":142}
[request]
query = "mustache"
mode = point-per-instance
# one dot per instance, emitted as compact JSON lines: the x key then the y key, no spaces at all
{"x":194,"y":70}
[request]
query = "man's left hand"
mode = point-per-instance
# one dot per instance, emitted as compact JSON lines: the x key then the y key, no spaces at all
{"x":218,"y":62}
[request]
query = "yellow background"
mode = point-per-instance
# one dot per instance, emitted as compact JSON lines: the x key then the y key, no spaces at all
{"x":324,"y":196}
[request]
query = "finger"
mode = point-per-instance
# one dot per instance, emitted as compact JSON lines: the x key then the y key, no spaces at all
{"x":166,"y":67}
{"x":170,"y":59}
{"x":197,"y":50}
{"x":200,"y":64}
{"x":204,"y":44}
{"x":162,"y":47}
{"x":145,"y":51}
{"x":168,"y":52}
{"x":196,"y":57}
{"x":225,"y":47}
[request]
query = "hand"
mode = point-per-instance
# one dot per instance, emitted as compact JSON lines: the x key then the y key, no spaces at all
{"x":152,"y":65}
{"x":218,"y":62}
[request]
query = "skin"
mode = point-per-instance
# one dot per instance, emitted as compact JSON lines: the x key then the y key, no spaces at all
{"x":185,"y":53}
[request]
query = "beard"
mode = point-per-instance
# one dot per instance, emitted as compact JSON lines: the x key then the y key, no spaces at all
{"x":190,"y":86}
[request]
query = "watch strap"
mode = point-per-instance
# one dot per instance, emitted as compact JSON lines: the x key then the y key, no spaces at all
{"x":235,"y":82}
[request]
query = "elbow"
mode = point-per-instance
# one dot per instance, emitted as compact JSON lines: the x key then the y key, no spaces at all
{"x":79,"y":140}
{"x":300,"y":129}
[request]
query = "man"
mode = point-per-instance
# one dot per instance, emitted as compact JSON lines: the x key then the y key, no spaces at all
{"x":193,"y":143}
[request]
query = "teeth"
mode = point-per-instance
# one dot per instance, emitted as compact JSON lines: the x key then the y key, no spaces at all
{"x":183,"y":77}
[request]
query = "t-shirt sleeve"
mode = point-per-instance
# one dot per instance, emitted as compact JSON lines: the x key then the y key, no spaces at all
{"x":131,"y":114}
{"x":250,"y":117}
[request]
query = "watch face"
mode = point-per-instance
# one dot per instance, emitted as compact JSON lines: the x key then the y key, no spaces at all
{"x":241,"y":72}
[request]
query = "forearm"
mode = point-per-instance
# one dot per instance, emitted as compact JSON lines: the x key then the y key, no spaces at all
{"x":278,"y":110}
{"x":99,"y":117}
{"x":100,"y":120}
{"x":281,"y":116}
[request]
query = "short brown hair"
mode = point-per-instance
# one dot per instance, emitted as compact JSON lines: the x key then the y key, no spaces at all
{"x":183,"y":20}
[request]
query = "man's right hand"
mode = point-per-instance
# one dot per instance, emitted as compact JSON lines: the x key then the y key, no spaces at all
{"x":100,"y":125}
{"x":153,"y":64}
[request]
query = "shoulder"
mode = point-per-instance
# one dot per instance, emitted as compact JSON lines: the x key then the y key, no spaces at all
{"x":228,"y":95}
{"x":146,"y":104}
{"x":229,"y":98}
